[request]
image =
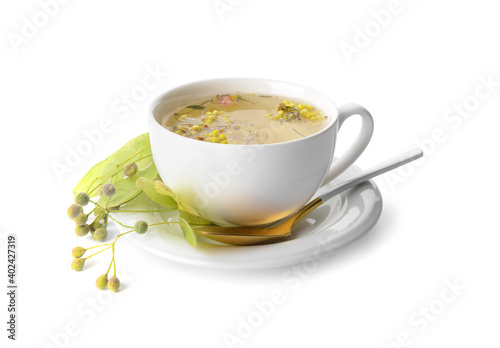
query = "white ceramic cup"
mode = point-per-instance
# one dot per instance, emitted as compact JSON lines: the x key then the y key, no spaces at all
{"x":251,"y":185}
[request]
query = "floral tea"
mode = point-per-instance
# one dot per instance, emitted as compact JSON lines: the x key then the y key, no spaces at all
{"x":245,"y":119}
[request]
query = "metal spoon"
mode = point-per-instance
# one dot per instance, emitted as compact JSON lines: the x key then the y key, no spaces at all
{"x":261,"y":235}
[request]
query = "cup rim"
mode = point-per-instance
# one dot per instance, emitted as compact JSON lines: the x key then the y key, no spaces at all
{"x":156,"y":101}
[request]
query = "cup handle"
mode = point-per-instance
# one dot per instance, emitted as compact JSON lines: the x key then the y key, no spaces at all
{"x":359,"y":145}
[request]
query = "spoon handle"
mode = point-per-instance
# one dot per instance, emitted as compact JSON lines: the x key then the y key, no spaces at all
{"x":372,"y":172}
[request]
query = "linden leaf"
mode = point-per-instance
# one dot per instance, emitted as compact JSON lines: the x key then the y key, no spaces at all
{"x":188,"y":232}
{"x":193,"y":219}
{"x":196,"y":107}
{"x":125,"y":192}
{"x":188,"y":215}
{"x":161,"y":188}
{"x":148,"y":187}
{"x":126,"y":189}
{"x":137,"y":150}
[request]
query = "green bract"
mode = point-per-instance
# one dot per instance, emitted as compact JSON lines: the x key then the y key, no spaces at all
{"x":193,"y":219}
{"x":187,"y":214}
{"x":166,"y":198}
{"x":188,"y":232}
{"x":160,"y":193}
{"x":136,"y":150}
{"x":126,"y":190}
{"x":119,"y":179}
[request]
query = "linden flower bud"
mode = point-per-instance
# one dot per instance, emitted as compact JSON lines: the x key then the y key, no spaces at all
{"x":81,"y":219}
{"x":130,"y":169}
{"x":141,"y":227}
{"x":114,"y":284}
{"x":102,"y":282}
{"x":74,"y":210}
{"x":82,"y":199}
{"x":77,"y":252}
{"x":77,"y":264}
{"x":100,"y":234}
{"x":108,"y":189}
{"x":82,"y":230}
{"x":95,"y":226}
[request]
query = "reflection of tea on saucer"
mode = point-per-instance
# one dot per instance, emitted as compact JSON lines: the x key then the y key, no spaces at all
{"x":244,"y":119}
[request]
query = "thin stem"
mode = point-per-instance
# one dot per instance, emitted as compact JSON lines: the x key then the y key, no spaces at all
{"x":141,"y":211}
{"x":107,"y":213}
{"x":114,"y":261}
{"x":99,"y":206}
{"x":118,"y":222}
{"x":97,"y":246}
{"x":109,"y":198}
{"x":163,"y":223}
{"x":130,"y":211}
{"x":95,"y":219}
{"x":100,"y":251}
{"x":124,"y":233}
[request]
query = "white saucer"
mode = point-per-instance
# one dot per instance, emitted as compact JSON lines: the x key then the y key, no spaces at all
{"x":333,"y":225}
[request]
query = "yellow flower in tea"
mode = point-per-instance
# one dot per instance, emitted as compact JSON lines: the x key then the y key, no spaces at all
{"x":245,"y":119}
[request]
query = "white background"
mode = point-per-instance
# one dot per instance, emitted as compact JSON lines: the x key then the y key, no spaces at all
{"x":439,"y":219}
